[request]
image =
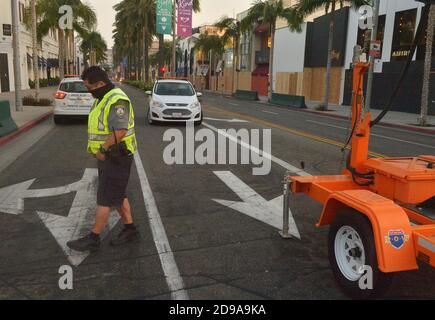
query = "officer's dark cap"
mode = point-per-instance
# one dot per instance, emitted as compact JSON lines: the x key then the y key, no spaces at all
{"x":94,"y":74}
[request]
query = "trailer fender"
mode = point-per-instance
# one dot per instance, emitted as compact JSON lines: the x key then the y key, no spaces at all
{"x":391,"y":227}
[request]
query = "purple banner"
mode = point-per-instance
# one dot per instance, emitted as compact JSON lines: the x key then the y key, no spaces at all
{"x":184,"y":28}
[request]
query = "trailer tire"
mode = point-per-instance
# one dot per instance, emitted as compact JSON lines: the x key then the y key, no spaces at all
{"x":351,"y":247}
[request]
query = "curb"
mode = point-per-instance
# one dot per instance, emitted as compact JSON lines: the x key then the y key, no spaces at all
{"x":29,"y":125}
{"x":382,"y":124}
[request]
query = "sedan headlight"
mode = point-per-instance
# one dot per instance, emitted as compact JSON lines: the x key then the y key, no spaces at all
{"x":157,"y":104}
{"x":195,"y":105}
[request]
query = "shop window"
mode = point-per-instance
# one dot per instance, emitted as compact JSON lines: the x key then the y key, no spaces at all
{"x":404,"y":30}
{"x":245,"y":51}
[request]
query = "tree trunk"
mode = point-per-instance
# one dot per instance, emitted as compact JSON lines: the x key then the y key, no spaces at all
{"x":35,"y":50}
{"x":272,"y":35}
{"x":325,"y":104}
{"x":427,"y":67}
{"x":237,"y":62}
{"x":234,"y":65}
{"x":145,"y":55}
{"x":61,"y":54}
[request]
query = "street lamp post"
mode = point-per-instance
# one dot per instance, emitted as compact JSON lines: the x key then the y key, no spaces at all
{"x":174,"y":17}
{"x":16,"y":49}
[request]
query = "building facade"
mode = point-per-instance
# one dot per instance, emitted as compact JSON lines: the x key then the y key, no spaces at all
{"x":300,"y":58}
{"x":48,"y":63}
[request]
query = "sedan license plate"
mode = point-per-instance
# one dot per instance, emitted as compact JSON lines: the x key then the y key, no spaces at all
{"x":177,"y":115}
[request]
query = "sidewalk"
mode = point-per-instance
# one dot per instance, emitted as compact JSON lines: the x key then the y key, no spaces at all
{"x":392,"y":118}
{"x":29,"y":113}
{"x":30,"y":116}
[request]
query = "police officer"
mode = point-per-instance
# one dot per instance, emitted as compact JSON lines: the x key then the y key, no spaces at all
{"x":111,"y":140}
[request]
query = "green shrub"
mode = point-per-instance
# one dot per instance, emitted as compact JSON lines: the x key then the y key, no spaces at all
{"x":43,"y":83}
{"x":31,"y":101}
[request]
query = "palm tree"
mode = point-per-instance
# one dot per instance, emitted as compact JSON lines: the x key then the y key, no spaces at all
{"x":134,"y":31}
{"x":93,"y":42}
{"x":308,"y":7}
{"x":269,"y":11}
{"x":47,"y":12}
{"x":427,"y":65}
{"x":233,"y":31}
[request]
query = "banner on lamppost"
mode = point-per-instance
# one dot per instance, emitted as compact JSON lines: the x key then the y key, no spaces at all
{"x":185,"y":18}
{"x":164,"y":16}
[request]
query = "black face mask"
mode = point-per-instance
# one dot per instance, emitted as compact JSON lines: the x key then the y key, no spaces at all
{"x":101,"y":92}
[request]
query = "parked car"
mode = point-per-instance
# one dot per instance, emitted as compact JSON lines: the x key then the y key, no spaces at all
{"x":72,"y":100}
{"x":173,"y":101}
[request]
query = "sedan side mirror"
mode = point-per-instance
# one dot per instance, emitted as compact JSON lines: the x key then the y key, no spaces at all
{"x":148,"y":93}
{"x":199,"y":94}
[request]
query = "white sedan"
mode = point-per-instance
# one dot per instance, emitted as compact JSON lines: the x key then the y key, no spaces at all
{"x":173,"y":101}
{"x":72,"y":100}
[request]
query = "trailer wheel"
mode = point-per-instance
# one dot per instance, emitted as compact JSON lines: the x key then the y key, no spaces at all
{"x":351,"y":250}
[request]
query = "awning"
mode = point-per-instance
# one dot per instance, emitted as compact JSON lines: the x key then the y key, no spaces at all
{"x":262,"y":70}
{"x":52,"y":63}
{"x":262,"y":28}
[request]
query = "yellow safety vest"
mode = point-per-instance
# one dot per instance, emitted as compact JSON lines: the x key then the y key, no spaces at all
{"x":98,"y":126}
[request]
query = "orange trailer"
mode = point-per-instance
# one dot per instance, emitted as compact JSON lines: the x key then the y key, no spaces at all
{"x":381,"y":211}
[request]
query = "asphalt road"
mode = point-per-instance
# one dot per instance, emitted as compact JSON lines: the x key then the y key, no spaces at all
{"x":196,"y":240}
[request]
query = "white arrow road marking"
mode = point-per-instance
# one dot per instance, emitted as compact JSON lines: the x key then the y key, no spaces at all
{"x":12,"y":197}
{"x":170,"y":268}
{"x":227,"y":120}
{"x":80,"y":218}
{"x":254,"y":205}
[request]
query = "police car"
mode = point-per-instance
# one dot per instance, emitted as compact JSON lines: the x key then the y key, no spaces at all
{"x":72,"y":100}
{"x":173,"y":101}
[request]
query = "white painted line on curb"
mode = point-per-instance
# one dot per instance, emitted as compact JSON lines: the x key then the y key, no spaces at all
{"x":375,"y":135}
{"x":274,"y":113}
{"x":170,"y":269}
{"x":266,"y":155}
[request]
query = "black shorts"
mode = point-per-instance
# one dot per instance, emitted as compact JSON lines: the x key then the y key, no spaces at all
{"x":113,"y":176}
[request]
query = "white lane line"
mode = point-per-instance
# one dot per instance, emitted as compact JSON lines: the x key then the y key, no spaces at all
{"x":233,"y":104}
{"x":375,"y":135}
{"x":170,"y":269}
{"x":277,"y":114}
{"x":266,"y":155}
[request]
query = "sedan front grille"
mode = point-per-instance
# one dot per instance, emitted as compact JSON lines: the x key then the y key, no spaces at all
{"x":183,"y":112}
{"x":177,"y":104}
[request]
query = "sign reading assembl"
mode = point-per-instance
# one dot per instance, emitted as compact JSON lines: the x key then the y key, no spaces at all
{"x":164,"y":16}
{"x":185,"y":18}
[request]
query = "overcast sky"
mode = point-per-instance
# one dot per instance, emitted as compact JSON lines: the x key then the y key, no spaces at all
{"x":211,"y":11}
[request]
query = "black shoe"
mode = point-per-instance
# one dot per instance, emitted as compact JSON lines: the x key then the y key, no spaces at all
{"x":84,"y":244}
{"x":127,"y":235}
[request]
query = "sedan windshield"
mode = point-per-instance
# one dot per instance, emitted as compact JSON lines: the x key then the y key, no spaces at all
{"x":73,"y":87}
{"x":174,"y":89}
